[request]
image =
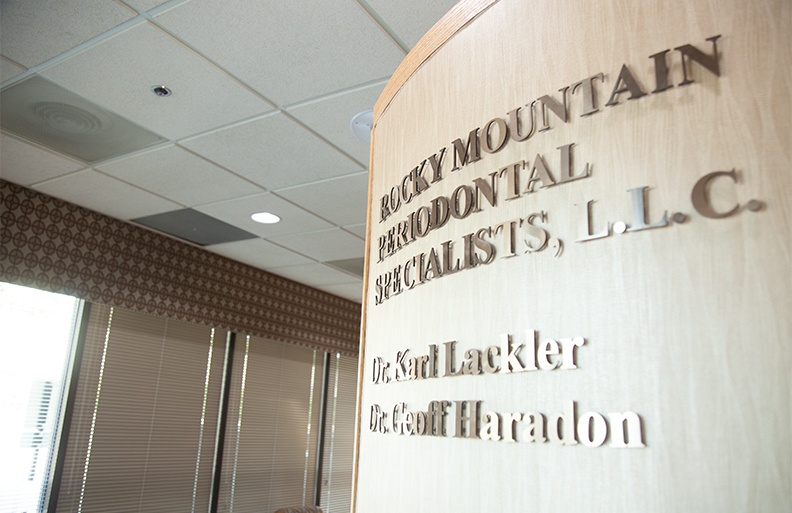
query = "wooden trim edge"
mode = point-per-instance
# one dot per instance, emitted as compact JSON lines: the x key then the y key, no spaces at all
{"x":361,"y":348}
{"x":452,"y":22}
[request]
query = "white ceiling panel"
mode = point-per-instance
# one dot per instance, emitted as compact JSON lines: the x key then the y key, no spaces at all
{"x":26,"y":164}
{"x":352,"y":210}
{"x":259,"y":253}
{"x":316,"y":275}
{"x":146,"y":5}
{"x":118,"y":74}
{"x":105,"y":194}
{"x":357,"y":229}
{"x":410,"y":20}
{"x":330,"y":118}
{"x":180,"y":176}
{"x":288,"y":51}
{"x":237,"y":212}
{"x":324,"y":246}
{"x":230,"y":151}
{"x":350,"y":291}
{"x":32,"y":31}
{"x":9,"y":70}
{"x":273,"y":152}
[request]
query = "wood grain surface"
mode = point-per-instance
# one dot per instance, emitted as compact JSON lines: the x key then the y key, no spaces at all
{"x":685,"y":324}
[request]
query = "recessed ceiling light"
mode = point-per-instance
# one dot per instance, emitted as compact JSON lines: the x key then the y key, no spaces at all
{"x":265,"y":218}
{"x":361,"y":125}
{"x":161,"y":91}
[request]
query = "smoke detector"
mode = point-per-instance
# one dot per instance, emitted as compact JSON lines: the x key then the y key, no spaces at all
{"x":361,"y":125}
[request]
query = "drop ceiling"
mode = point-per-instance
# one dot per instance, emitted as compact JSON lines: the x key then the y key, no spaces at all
{"x":263,"y":93}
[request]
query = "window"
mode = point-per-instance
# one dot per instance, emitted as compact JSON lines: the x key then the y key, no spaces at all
{"x":142,"y":414}
{"x":145,"y":416}
{"x":37,"y":337}
{"x":269,"y":459}
{"x":339,"y":435}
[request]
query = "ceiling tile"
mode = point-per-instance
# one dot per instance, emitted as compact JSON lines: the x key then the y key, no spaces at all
{"x":25,"y":164}
{"x":118,"y":74}
{"x":322,"y":61}
{"x":350,"y":291}
{"x":8,"y":69}
{"x":193,"y":226}
{"x":325,"y":245}
{"x":357,"y":229}
{"x":42,"y":111}
{"x":259,"y":253}
{"x":146,"y":5}
{"x":288,"y":51}
{"x":59,"y":26}
{"x":105,"y":194}
{"x":331,"y":117}
{"x":237,"y":212}
{"x":180,"y":176}
{"x":274,"y":152}
{"x":315,"y":275}
{"x":412,"y":19}
{"x":325,"y":198}
{"x":354,"y":266}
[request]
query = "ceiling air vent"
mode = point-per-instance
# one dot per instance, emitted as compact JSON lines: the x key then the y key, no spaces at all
{"x":43,"y":112}
{"x":351,"y":265}
{"x":194,"y":226}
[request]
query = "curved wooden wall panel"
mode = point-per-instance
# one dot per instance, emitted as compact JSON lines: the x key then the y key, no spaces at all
{"x":579,"y":260}
{"x":452,"y":22}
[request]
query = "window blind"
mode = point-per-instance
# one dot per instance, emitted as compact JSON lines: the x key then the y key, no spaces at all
{"x":145,"y":416}
{"x":339,"y":435}
{"x":273,"y":417}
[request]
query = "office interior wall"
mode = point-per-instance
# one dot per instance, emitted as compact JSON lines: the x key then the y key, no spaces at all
{"x":665,"y":251}
{"x":53,"y":245}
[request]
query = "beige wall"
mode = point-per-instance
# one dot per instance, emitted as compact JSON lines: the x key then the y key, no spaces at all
{"x":685,"y":325}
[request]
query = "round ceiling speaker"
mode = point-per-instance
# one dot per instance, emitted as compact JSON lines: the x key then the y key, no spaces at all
{"x":62,"y":117}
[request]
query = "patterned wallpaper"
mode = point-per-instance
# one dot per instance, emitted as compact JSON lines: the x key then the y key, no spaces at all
{"x":54,"y":245}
